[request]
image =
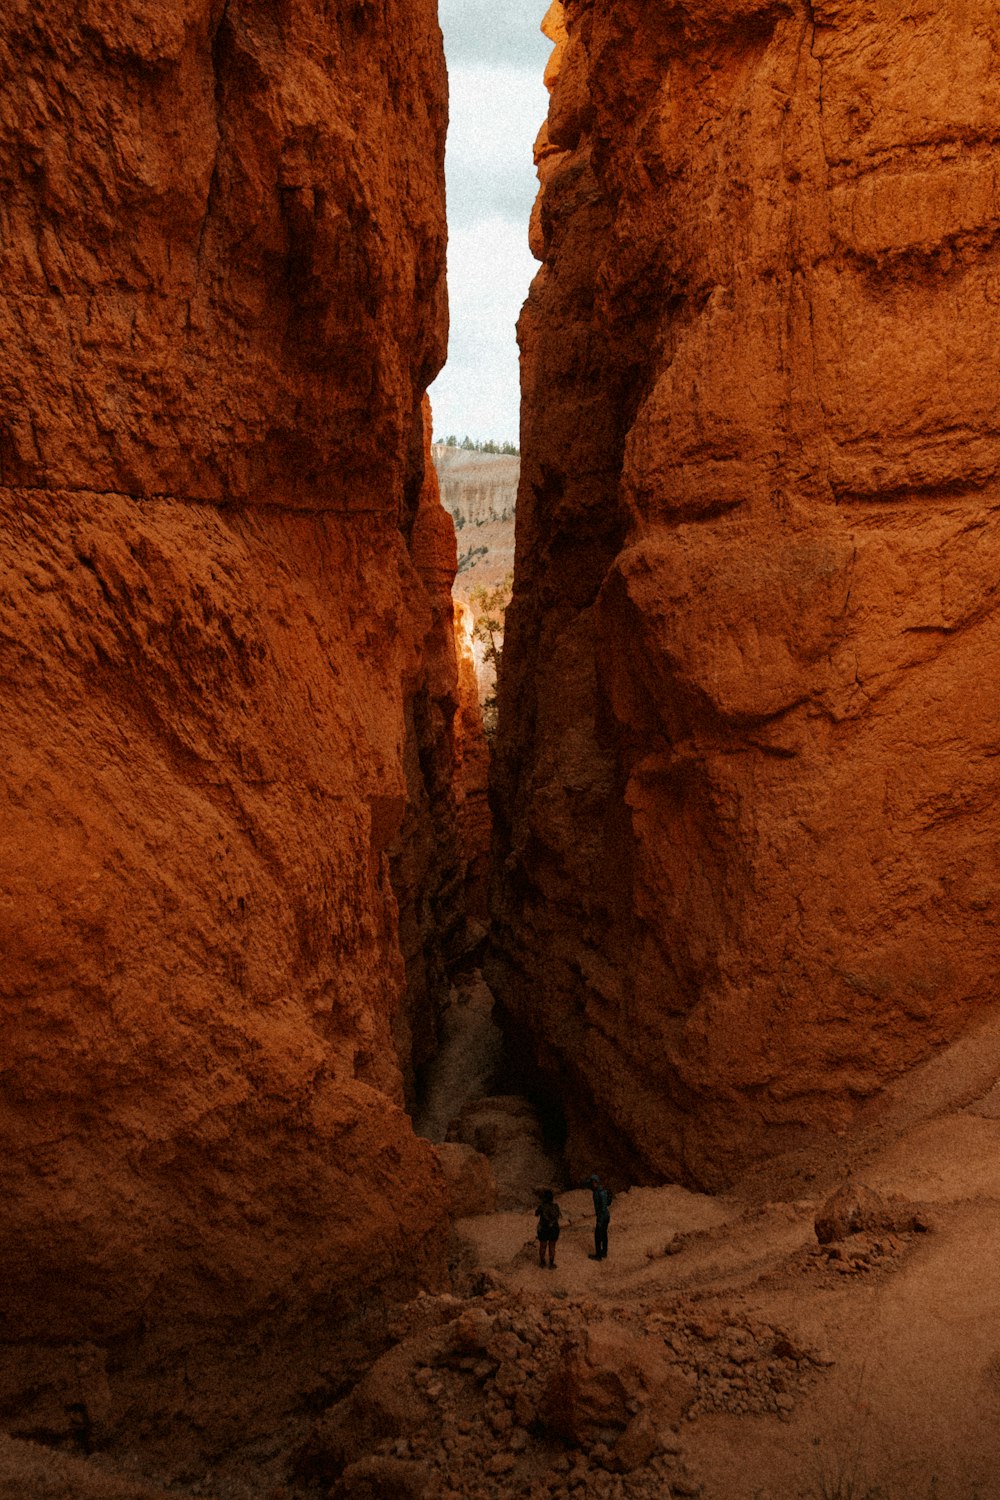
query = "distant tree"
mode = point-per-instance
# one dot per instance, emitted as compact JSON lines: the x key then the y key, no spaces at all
{"x":490,"y":608}
{"x":478,"y":445}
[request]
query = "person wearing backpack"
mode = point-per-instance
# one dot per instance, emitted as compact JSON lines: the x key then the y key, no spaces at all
{"x":602,"y":1218}
{"x":548,"y":1215}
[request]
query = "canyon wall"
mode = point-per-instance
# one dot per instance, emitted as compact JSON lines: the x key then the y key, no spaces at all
{"x":230,"y":686}
{"x":747,"y":776}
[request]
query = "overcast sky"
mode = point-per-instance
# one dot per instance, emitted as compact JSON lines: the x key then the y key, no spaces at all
{"x":496,"y":57}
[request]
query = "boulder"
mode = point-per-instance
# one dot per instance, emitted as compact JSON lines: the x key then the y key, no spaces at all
{"x":856,"y":1209}
{"x":604,"y":1381}
{"x":469,"y":1180}
{"x":379,"y":1478}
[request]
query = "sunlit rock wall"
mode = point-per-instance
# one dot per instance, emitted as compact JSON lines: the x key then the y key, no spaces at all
{"x":226,"y":678}
{"x":747,"y":785}
{"x":439,"y":855}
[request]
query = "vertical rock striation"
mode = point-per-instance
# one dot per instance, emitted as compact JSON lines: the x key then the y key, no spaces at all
{"x":472,"y":778}
{"x":433,"y":858}
{"x":229,"y":672}
{"x":746,"y":785}
{"x":477,"y":489}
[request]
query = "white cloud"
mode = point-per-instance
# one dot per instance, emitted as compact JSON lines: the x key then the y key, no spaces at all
{"x":482,"y":30}
{"x":496,"y":112}
{"x":489,"y":271}
{"x":495,"y":115}
{"x":496,"y":58}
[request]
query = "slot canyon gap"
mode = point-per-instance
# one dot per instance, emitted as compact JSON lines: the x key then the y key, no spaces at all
{"x":745,"y":860}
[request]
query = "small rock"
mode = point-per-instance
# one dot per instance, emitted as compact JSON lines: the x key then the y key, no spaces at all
{"x":684,"y":1485}
{"x":376,"y":1478}
{"x":506,"y":1346}
{"x":637,"y":1444}
{"x":508,"y":1378}
{"x":851,"y":1209}
{"x":473,"y":1329}
{"x":524,"y":1408}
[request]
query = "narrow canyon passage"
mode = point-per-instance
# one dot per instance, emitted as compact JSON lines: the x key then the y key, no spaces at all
{"x":738,"y":907}
{"x":473,"y":1100}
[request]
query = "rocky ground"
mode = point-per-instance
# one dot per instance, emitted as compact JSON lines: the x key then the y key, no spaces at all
{"x":827,"y":1331}
{"x":830,"y":1330}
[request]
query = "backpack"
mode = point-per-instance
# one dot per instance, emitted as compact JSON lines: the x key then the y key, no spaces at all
{"x":549,"y":1215}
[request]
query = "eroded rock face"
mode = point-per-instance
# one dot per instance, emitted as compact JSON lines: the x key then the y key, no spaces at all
{"x":433,"y":856}
{"x":226,"y":644}
{"x":477,"y":488}
{"x":747,"y":777}
{"x":223,"y":246}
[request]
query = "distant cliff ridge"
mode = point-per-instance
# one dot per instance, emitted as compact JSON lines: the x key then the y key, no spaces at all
{"x":479,"y":491}
{"x":477,"y":488}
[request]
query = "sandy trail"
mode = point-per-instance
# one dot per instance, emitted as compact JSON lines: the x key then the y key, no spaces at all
{"x":905,"y":1405}
{"x":866,"y":1371}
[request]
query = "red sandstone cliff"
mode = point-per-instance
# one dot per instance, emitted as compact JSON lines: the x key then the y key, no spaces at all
{"x":439,"y":859}
{"x":747,"y":780}
{"x":228,"y":672}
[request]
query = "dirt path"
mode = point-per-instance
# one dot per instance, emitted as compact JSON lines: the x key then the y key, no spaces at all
{"x":894,"y":1393}
{"x":719,"y":1352}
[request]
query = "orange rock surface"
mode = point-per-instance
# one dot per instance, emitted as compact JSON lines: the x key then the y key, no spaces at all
{"x":441,"y":857}
{"x":226,"y":645}
{"x":748,"y":766}
{"x":472,"y":772}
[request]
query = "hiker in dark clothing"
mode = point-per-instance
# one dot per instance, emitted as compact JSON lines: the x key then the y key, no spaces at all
{"x":548,"y":1215}
{"x":602,"y":1218}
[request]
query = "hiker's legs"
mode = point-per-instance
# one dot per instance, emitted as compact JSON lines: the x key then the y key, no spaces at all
{"x":601,"y":1239}
{"x":541,"y":1252}
{"x":552,"y":1252}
